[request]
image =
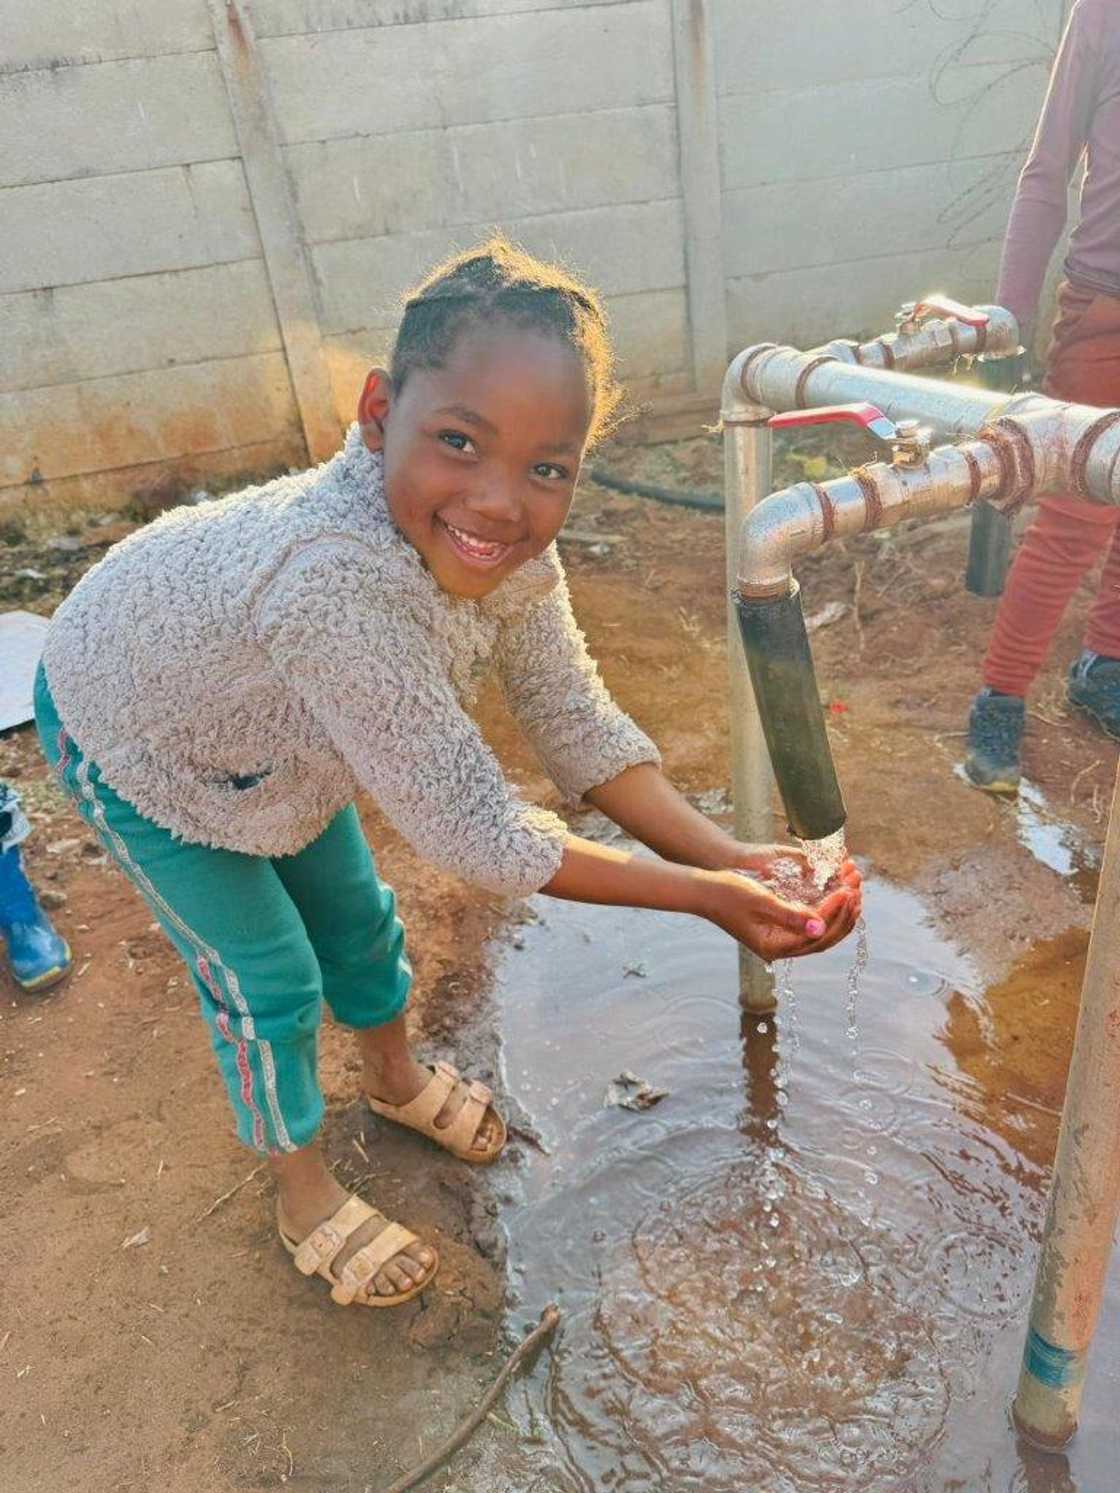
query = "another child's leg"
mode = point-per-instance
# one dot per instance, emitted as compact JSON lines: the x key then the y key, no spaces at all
{"x":351,"y":918}
{"x":1060,"y":546}
{"x":1102,"y":634}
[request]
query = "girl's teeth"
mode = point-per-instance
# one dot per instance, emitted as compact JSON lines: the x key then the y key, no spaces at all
{"x":476,"y":546}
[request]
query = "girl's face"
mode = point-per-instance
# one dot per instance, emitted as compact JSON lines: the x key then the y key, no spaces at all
{"x":482,"y":455}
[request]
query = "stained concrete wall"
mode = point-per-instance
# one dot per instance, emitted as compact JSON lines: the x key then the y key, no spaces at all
{"x":861,"y":154}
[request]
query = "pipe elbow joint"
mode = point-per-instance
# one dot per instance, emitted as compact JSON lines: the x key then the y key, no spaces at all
{"x":784,"y":526}
{"x":1003,"y":333}
{"x":736,"y":407}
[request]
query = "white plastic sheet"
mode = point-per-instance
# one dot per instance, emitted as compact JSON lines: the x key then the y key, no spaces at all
{"x":21,"y":643}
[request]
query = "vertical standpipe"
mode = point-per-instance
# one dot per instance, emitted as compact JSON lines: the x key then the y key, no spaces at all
{"x":1085,"y":1193}
{"x":747,"y":463}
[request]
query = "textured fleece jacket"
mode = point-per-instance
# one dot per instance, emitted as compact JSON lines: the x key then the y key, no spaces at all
{"x":237,"y":670}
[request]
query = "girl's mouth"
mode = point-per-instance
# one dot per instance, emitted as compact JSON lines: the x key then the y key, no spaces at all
{"x":472,"y":549}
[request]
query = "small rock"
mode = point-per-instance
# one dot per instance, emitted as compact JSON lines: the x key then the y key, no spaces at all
{"x":628,"y":1091}
{"x":137,"y":1240}
{"x":62,"y":847}
{"x":827,"y":615}
{"x":65,"y":542}
{"x":52,"y":898}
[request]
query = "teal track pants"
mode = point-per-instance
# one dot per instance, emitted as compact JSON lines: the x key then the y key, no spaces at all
{"x":265,"y":940}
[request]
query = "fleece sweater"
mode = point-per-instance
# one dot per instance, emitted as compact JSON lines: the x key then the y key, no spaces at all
{"x":239,"y":669}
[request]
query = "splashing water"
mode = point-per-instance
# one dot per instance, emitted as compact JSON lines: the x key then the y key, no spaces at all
{"x":826,"y":856}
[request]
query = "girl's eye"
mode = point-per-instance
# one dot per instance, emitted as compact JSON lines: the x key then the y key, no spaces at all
{"x":457,"y":440}
{"x":550,"y":470}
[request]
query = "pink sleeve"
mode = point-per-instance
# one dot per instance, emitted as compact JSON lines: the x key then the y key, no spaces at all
{"x":1039,"y":211}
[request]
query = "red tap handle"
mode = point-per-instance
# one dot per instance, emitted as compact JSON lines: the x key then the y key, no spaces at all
{"x":868,"y":415}
{"x":942,"y":305}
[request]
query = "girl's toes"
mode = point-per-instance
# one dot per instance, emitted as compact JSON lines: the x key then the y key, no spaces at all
{"x":412,"y":1268}
{"x":400,"y":1276}
{"x":383,"y":1285}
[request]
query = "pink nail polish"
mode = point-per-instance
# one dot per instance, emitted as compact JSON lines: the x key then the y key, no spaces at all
{"x":814,"y":927}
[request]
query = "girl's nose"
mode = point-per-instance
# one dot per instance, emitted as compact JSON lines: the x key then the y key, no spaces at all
{"x":499,"y":500}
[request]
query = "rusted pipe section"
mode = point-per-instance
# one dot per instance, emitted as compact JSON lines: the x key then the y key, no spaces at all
{"x":792,"y":523}
{"x":747,"y":446}
{"x":1052,"y":446}
{"x":1085,"y":1195}
{"x":782,"y":378}
{"x":939,"y":342}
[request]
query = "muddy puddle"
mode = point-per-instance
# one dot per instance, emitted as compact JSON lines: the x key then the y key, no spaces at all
{"x":807,"y":1267}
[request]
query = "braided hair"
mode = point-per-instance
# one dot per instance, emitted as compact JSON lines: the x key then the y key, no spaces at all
{"x":498,"y":279}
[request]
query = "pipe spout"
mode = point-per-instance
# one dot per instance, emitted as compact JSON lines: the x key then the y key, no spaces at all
{"x":785,"y":686}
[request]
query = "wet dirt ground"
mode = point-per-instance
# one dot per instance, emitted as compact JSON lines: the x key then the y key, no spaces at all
{"x":200,"y":1361}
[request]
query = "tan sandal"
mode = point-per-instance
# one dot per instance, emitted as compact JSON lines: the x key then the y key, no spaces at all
{"x":316,"y":1254}
{"x":459,"y":1136}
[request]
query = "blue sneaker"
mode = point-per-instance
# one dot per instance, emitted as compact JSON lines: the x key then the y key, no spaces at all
{"x":995,"y":739}
{"x":39,"y":957}
{"x":1094,"y":687}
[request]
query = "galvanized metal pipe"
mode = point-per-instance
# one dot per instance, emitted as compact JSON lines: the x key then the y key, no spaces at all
{"x":1085,"y":1195}
{"x":792,"y":523}
{"x":941,"y":341}
{"x":781,"y":378}
{"x":1031,"y":445}
{"x":747,"y":446}
{"x":1052,"y":446}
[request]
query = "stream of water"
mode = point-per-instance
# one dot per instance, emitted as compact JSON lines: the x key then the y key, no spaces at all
{"x":806,"y":1269}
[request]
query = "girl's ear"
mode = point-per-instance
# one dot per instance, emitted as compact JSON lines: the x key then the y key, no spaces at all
{"x":373,"y":406}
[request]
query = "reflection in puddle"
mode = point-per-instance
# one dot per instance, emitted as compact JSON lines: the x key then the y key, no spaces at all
{"x":1052,"y":842}
{"x":807,"y":1269}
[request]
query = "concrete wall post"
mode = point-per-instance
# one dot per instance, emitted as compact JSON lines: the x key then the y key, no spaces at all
{"x":698,"y":134}
{"x":277,"y":223}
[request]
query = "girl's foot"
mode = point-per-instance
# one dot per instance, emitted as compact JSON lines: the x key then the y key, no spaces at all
{"x":455,"y":1113}
{"x":310,"y":1197}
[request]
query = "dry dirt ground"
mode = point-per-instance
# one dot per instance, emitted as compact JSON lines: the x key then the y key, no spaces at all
{"x":198,"y":1361}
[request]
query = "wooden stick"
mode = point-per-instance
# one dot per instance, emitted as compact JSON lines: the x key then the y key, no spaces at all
{"x":550,"y":1320}
{"x":225,"y":1197}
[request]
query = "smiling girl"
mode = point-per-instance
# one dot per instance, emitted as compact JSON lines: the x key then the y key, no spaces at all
{"x":217,"y":690}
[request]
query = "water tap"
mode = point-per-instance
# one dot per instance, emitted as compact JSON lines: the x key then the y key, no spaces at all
{"x":911,"y":314}
{"x":908,"y":441}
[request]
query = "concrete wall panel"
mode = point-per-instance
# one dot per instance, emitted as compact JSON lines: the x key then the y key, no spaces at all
{"x":784,"y":44}
{"x":143,"y":321}
{"x":299,"y":17}
{"x":470,"y":72}
{"x":112,"y":117}
{"x":807,"y":306}
{"x":846,"y":129}
{"x":141,"y":417}
{"x":50,"y":33}
{"x":845,"y":220}
{"x":620,"y":250}
{"x":361,"y":188}
{"x":104,"y":227}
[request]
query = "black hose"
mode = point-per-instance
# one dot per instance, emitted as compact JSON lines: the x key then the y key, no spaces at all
{"x":707,"y":502}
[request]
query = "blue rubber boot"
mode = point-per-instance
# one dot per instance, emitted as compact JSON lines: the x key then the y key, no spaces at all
{"x":995,"y":739}
{"x":1094,"y":687}
{"x":39,"y":957}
